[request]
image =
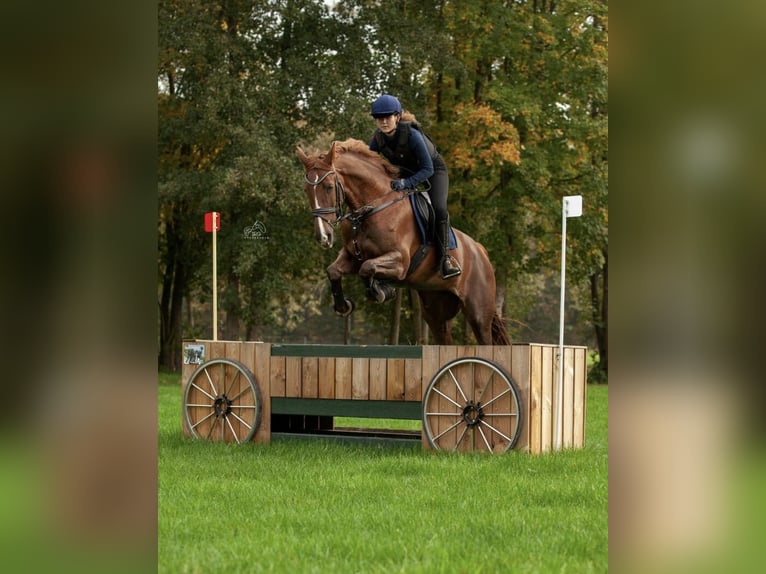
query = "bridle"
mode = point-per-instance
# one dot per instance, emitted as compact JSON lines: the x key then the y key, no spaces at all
{"x":355,"y":217}
{"x":340,"y":196}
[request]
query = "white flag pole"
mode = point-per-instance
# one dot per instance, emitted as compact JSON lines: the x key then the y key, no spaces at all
{"x":571,"y":207}
{"x":215,"y":280}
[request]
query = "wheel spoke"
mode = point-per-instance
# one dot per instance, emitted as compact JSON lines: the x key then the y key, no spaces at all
{"x":495,"y":430}
{"x":486,"y":385}
{"x":209,"y":380}
{"x":483,"y":436}
{"x":462,"y":434}
{"x":239,"y":394}
{"x":196,"y":405}
{"x":231,"y":386}
{"x":460,"y":390}
{"x":501,"y":414}
{"x":199,"y":422}
{"x":505,"y":392}
{"x":450,"y":399}
{"x":441,"y":434}
{"x":212,"y":428}
{"x":243,"y":406}
{"x":240,"y":419}
{"x":204,"y":392}
{"x":231,"y":428}
{"x":444,"y":414}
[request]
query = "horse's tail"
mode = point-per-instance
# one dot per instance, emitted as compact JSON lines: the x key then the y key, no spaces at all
{"x":500,"y":334}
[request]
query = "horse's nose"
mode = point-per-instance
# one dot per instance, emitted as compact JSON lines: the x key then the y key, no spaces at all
{"x":323,"y":233}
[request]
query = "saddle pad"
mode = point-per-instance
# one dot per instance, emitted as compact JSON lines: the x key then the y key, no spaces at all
{"x":421,"y":205}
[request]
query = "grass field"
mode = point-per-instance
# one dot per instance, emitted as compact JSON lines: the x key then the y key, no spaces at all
{"x":327,"y":507}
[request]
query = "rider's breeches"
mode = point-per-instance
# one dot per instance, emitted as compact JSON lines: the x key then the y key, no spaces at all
{"x":439,"y":188}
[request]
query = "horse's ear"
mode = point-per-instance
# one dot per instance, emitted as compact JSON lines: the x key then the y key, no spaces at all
{"x":332,"y":153}
{"x":302,"y":156}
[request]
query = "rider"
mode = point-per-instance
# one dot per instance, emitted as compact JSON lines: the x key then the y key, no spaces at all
{"x":417,"y":157}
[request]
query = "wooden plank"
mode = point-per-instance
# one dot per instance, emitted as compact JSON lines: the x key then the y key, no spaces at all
{"x":546,"y":398}
{"x":293,"y":376}
{"x":347,"y":351}
{"x":217,"y":350}
{"x":342,"y":378}
{"x":502,"y":356}
{"x":310,"y":377}
{"x":278,"y":368}
{"x":448,"y":438}
{"x":360,"y":379}
{"x":262,"y":372}
{"x":429,"y":364}
{"x":555,"y":397}
{"x":535,"y":398}
{"x":395,"y":379}
{"x":232,"y":350}
{"x":377,"y":379}
{"x":568,"y":397}
{"x":326,"y":375}
{"x":580,"y":374}
{"x":412,"y":380}
{"x":520,"y":372}
{"x":465,"y":390}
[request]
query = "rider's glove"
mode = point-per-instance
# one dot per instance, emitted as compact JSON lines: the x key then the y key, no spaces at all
{"x":399,"y":184}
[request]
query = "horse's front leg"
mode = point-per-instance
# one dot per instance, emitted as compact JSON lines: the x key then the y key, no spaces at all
{"x":375,"y":272}
{"x":343,"y":265}
{"x":388,"y":267}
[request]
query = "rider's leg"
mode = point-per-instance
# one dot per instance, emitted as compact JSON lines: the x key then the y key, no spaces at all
{"x":448,"y":267}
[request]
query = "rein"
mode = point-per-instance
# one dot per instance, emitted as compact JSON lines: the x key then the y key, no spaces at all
{"x":358,"y":215}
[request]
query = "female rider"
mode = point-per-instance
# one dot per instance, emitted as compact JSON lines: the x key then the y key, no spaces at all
{"x":405,"y":146}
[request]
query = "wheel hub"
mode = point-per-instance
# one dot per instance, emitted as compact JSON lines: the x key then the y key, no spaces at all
{"x":222,"y":406}
{"x":472,"y":413}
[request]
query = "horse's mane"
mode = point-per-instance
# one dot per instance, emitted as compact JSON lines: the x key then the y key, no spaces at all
{"x":358,"y":147}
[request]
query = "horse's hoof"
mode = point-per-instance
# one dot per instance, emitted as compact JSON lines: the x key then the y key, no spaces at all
{"x":349,"y":308}
{"x":380,"y":292}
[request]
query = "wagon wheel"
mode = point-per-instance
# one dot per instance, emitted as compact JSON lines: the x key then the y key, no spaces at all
{"x":222,"y":402}
{"x":471,"y":404}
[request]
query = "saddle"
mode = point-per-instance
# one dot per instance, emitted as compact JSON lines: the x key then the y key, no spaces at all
{"x":425,"y":219}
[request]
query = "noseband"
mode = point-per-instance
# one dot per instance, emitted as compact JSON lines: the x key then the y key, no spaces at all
{"x":340,"y":195}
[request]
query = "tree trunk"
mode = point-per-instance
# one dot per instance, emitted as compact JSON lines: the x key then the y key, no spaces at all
{"x":171,"y":313}
{"x":599,"y":292}
{"x":232,"y":325}
{"x":418,"y":325}
{"x":396,"y":319}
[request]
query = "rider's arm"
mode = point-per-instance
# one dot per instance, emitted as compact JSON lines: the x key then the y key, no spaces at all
{"x":418,"y":146}
{"x":374,"y":143}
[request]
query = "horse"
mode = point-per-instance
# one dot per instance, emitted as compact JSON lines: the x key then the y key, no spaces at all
{"x":349,"y":187}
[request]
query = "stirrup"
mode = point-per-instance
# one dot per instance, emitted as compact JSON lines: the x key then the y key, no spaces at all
{"x":452,"y":271}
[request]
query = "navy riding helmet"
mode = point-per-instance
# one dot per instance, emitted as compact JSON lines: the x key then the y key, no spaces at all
{"x":384,"y":106}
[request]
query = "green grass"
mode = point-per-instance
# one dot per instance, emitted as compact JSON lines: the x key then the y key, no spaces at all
{"x":320,"y":506}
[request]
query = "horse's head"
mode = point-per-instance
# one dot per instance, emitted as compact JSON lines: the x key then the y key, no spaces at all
{"x":323,"y":192}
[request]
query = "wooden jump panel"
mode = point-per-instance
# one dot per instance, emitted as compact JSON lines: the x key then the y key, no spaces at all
{"x":340,"y":377}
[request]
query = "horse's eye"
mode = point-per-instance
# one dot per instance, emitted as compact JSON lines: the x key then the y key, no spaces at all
{"x":328,"y":188}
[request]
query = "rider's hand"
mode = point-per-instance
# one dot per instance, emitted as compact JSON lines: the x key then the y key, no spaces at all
{"x":398,"y":184}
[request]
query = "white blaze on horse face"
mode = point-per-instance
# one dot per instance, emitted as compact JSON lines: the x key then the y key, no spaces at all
{"x":322,"y":231}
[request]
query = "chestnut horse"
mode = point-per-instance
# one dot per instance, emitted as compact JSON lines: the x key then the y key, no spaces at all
{"x":349,"y":186}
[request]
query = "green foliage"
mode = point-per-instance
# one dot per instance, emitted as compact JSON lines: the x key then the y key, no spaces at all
{"x":513,"y":93}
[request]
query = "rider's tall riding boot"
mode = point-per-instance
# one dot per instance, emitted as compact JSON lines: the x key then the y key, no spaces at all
{"x":447,"y":266}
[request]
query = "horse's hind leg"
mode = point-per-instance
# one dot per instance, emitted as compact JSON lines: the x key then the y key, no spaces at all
{"x":439,"y":308}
